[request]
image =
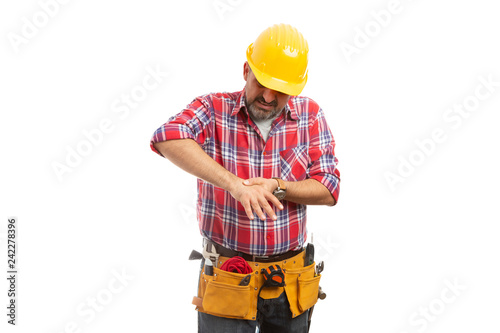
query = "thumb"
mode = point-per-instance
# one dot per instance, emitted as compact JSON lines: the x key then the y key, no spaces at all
{"x":252,"y":181}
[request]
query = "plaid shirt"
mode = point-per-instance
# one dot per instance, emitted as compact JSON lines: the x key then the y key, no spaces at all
{"x":300,"y":146}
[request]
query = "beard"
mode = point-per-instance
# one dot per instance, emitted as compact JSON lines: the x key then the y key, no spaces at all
{"x":260,"y":114}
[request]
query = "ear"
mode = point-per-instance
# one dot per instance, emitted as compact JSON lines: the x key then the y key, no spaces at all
{"x":246,"y":70}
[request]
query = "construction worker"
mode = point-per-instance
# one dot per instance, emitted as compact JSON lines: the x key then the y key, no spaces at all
{"x":260,"y":155}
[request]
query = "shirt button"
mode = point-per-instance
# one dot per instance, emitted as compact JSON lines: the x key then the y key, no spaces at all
{"x":264,"y":153}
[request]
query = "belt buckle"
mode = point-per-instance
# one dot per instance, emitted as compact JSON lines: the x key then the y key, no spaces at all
{"x":256,"y":258}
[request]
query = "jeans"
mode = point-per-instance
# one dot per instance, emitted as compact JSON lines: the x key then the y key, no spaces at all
{"x":274,"y":316}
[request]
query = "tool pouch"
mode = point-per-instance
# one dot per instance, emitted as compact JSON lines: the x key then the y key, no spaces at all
{"x":221,"y":295}
{"x":224,"y":297}
{"x":301,"y":288}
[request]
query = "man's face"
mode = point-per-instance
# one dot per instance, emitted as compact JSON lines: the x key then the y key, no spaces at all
{"x":262,"y":103}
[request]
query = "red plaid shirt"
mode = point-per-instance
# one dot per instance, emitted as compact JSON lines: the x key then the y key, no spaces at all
{"x":300,"y":146}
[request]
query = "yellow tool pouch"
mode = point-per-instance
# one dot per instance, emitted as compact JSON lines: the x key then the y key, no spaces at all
{"x":301,"y":288}
{"x":222,"y":296}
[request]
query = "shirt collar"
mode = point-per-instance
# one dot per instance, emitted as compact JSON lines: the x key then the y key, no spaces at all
{"x":240,"y":105}
{"x":290,"y":109}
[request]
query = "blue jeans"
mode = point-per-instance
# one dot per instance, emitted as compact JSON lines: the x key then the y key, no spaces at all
{"x":274,"y":315}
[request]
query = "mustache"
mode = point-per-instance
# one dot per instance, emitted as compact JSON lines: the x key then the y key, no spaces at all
{"x":261,"y":99}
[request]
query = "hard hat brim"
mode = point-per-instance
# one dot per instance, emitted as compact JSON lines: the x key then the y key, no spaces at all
{"x":268,"y":81}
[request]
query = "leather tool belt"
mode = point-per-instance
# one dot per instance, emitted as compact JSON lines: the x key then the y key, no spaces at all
{"x":222,"y":295}
{"x":225,"y":252}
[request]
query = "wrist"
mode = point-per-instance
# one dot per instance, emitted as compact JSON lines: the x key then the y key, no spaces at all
{"x":233,"y":183}
{"x":272,"y":184}
{"x":280,"y":189}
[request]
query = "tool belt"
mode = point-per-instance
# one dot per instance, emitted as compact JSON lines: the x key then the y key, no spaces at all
{"x":225,"y":252}
{"x":222,"y":295}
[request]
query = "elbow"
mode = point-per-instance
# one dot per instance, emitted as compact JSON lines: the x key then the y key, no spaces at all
{"x":160,"y":148}
{"x":164,"y":147}
{"x":330,"y":200}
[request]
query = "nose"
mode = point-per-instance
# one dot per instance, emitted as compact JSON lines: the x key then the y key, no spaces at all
{"x":269,"y":95}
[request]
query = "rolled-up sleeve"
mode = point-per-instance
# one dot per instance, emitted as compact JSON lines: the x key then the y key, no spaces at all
{"x":322,"y":154}
{"x":190,"y":123}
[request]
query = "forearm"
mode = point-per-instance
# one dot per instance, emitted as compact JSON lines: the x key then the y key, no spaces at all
{"x":308,"y":192}
{"x":188,"y":155}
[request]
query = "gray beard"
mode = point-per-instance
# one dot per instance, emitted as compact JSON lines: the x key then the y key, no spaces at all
{"x":259,"y":114}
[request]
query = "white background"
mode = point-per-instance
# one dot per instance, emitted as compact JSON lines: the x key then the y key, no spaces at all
{"x":388,"y":252}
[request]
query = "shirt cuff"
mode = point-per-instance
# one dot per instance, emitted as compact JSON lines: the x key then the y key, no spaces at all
{"x":170,"y":132}
{"x":331,"y":182}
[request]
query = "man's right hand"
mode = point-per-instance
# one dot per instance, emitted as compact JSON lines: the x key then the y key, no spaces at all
{"x":256,"y":198}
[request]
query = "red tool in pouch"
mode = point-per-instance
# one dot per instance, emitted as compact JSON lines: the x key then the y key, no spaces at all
{"x":237,"y":265}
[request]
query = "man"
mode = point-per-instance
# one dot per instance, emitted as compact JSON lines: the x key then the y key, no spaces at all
{"x":261,"y":155}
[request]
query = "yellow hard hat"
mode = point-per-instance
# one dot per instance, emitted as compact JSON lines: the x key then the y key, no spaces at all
{"x":278,"y":59}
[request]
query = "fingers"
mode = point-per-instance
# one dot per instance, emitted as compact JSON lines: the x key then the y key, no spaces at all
{"x":260,"y":206}
{"x":248,"y":210}
{"x":257,"y":199}
{"x":267,"y":208}
{"x":257,"y":209}
{"x":272,"y":198}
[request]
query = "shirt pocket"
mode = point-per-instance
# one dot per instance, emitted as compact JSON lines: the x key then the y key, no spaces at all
{"x":295,"y":163}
